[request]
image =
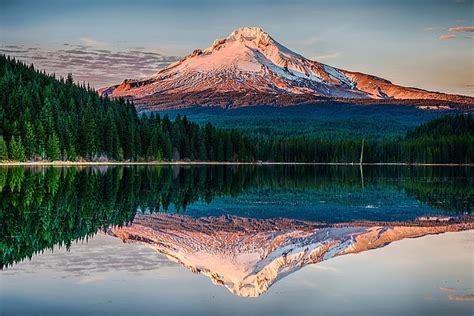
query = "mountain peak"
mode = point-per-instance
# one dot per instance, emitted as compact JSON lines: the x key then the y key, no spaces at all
{"x":244,"y":37}
{"x":248,"y":33}
{"x":250,"y":62}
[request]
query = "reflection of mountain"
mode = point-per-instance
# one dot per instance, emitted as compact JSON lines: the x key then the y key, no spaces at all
{"x":46,"y":207}
{"x":247,"y":255}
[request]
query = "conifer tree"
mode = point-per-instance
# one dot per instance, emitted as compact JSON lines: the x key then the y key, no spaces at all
{"x":54,"y":151}
{"x":17,"y":152}
{"x":30,"y":141}
{"x":3,"y":149}
{"x":69,"y":79}
{"x":41,"y":140}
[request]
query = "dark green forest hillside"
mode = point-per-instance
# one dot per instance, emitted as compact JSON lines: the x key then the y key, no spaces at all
{"x":43,"y":118}
{"x":325,"y":121}
{"x":448,"y":139}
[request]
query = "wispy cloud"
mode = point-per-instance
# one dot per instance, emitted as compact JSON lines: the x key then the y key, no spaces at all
{"x":93,"y":260}
{"x":457,"y":29}
{"x":91,"y":279}
{"x":432,"y":28}
{"x":310,"y":41}
{"x":447,"y":289}
{"x":461,"y":298}
{"x":446,"y":37}
{"x":90,"y":42}
{"x":326,"y":56}
{"x":461,"y":29}
{"x":96,"y":65}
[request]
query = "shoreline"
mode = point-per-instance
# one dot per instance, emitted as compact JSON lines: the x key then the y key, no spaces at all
{"x":217,"y":163}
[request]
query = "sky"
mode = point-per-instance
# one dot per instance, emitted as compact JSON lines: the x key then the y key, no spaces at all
{"x":425,"y":44}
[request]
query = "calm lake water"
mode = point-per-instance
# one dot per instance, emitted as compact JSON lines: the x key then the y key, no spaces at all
{"x":227,"y":240}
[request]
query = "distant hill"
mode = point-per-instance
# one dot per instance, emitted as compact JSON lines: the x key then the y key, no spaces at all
{"x":43,"y":118}
{"x":329,"y":121}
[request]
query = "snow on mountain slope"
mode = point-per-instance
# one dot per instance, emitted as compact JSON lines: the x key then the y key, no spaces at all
{"x":250,"y":61}
{"x":248,"y":255}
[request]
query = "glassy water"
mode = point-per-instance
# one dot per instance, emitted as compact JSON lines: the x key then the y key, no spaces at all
{"x":234,"y":240}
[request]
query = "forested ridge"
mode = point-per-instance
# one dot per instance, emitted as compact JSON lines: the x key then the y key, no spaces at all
{"x":328,"y":121}
{"x":43,"y":118}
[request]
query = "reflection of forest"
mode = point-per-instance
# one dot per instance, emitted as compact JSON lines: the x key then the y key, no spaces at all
{"x":40,"y":208}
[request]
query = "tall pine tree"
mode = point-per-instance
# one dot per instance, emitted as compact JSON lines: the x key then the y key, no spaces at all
{"x":3,"y":149}
{"x":17,"y":152}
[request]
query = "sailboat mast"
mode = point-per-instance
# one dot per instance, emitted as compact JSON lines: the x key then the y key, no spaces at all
{"x":362,"y":153}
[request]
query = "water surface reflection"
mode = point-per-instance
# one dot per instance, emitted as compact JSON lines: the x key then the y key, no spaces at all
{"x":44,"y":207}
{"x":246,"y":229}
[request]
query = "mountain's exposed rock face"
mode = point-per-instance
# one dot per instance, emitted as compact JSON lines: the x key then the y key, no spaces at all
{"x":251,"y":65}
{"x":247,"y":255}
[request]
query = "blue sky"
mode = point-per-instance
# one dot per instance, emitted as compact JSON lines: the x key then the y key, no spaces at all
{"x":407,"y":42}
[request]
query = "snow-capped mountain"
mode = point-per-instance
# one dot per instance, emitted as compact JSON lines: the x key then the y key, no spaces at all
{"x":250,"y":67}
{"x":248,"y":255}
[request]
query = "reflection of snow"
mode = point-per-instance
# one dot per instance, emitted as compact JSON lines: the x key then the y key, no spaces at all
{"x":248,"y":59}
{"x":248,"y":255}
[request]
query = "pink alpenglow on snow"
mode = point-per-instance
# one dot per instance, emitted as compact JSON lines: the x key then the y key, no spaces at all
{"x":250,"y":62}
{"x":247,"y":255}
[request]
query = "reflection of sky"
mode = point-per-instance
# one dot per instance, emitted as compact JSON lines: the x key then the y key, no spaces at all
{"x":428,"y":276}
{"x":88,"y":258}
{"x":406,"y":41}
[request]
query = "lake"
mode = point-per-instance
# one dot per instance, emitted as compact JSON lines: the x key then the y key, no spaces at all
{"x":233,"y":240}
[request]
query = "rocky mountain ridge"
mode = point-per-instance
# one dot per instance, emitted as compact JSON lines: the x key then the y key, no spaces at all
{"x":249,"y":67}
